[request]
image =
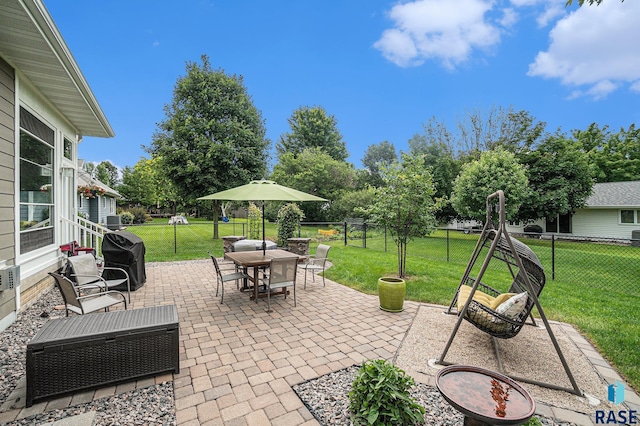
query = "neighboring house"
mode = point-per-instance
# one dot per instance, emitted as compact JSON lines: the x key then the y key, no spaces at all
{"x":98,"y":205}
{"x":46,"y":107}
{"x":612,"y":211}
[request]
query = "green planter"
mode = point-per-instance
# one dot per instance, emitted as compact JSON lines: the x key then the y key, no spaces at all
{"x":391,"y":292}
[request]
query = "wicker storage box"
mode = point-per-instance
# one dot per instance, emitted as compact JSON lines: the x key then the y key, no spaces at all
{"x":77,"y":353}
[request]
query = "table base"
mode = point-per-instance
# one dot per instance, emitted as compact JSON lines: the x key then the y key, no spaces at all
{"x":468,"y":421}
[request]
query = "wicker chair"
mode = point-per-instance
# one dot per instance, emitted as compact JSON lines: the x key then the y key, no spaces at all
{"x":487,"y":318}
{"x":474,"y":299}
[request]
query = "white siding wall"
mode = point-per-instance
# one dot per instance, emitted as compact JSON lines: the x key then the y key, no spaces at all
{"x":601,"y":223}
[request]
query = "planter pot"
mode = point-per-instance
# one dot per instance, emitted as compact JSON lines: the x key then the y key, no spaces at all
{"x":391,"y":292}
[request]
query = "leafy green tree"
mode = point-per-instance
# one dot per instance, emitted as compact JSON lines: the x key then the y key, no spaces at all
{"x":614,"y":157}
{"x":404,"y":205}
{"x":514,"y":131}
{"x":312,"y":127}
{"x":376,"y":155}
{"x":351,"y":203}
{"x":497,"y":169}
{"x":147,"y":185}
{"x":559,"y":178}
{"x":138,"y":184}
{"x":90,"y":168}
{"x":316,"y":172}
{"x":439,"y":157}
{"x":107,"y":173}
{"x":213,"y":137}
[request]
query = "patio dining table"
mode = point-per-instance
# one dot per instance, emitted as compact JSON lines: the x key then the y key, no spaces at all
{"x":256,"y":260}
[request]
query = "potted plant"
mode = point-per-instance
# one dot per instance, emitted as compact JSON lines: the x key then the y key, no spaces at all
{"x":380,"y":395}
{"x":404,"y":205}
{"x":391,"y":292}
{"x":90,"y":191}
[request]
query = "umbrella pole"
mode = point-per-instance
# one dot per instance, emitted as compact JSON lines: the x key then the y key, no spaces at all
{"x":264,"y":241}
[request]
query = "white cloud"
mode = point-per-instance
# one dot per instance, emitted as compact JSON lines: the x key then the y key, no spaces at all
{"x":635,"y":87}
{"x":437,"y":29}
{"x":594,"y":46}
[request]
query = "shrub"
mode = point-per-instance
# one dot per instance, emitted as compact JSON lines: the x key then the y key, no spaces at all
{"x":254,"y":220}
{"x":126,"y":218}
{"x":140,"y":215}
{"x":289,"y":216}
{"x":380,"y":396}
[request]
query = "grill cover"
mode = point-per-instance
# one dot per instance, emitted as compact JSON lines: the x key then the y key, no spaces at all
{"x":124,"y":250}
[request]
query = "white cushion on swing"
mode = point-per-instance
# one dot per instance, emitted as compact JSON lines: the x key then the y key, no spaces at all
{"x":513,"y":306}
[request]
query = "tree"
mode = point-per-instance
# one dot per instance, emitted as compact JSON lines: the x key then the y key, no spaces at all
{"x":404,"y":204}
{"x":376,"y":155}
{"x":314,"y":171}
{"x":497,"y":169}
{"x":514,"y":131}
{"x":107,"y":173}
{"x":350,"y":203}
{"x":213,"y":137}
{"x":147,"y":185}
{"x":559,"y":178}
{"x":312,"y":127}
{"x":438,"y":156}
{"x":614,"y":157}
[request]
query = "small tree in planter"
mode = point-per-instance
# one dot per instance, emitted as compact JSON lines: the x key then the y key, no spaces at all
{"x":288,"y":217}
{"x":380,"y":396}
{"x":405,"y":205}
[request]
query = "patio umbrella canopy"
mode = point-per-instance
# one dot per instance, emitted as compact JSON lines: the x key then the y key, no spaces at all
{"x":262,"y":190}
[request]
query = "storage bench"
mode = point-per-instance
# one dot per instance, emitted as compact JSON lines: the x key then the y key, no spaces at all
{"x":77,"y":353}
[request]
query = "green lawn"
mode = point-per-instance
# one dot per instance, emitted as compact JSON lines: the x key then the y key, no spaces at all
{"x":595,"y":300}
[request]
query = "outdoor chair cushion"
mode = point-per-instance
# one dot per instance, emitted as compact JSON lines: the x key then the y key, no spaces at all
{"x":481,"y":297}
{"x":512,"y":307}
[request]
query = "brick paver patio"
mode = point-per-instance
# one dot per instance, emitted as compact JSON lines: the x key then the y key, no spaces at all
{"x":238,"y":362}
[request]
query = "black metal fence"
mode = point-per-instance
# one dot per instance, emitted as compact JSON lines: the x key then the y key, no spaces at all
{"x":608,"y":263}
{"x":601,"y":262}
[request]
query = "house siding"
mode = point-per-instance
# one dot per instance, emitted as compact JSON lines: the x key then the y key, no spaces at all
{"x":7,"y":178}
{"x":603,"y":223}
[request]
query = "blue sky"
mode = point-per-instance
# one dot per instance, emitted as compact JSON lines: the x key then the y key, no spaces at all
{"x":382,"y":68}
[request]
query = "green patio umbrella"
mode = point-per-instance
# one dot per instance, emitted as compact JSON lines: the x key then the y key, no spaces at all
{"x":262,"y":190}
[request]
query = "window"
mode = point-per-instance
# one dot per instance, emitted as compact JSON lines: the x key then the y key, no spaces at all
{"x":628,"y":216}
{"x":68,"y":149}
{"x":36,"y":183}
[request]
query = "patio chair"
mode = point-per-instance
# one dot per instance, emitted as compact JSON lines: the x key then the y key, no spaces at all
{"x":220,"y":278}
{"x":316,"y":263}
{"x":83,"y":270}
{"x":282,"y":274}
{"x":85,"y":304}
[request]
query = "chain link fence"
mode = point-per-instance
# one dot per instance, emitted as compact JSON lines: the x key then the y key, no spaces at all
{"x":610,"y":264}
{"x":606,"y":263}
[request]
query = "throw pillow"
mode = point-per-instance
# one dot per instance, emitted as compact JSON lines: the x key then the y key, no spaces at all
{"x":512,"y":307}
